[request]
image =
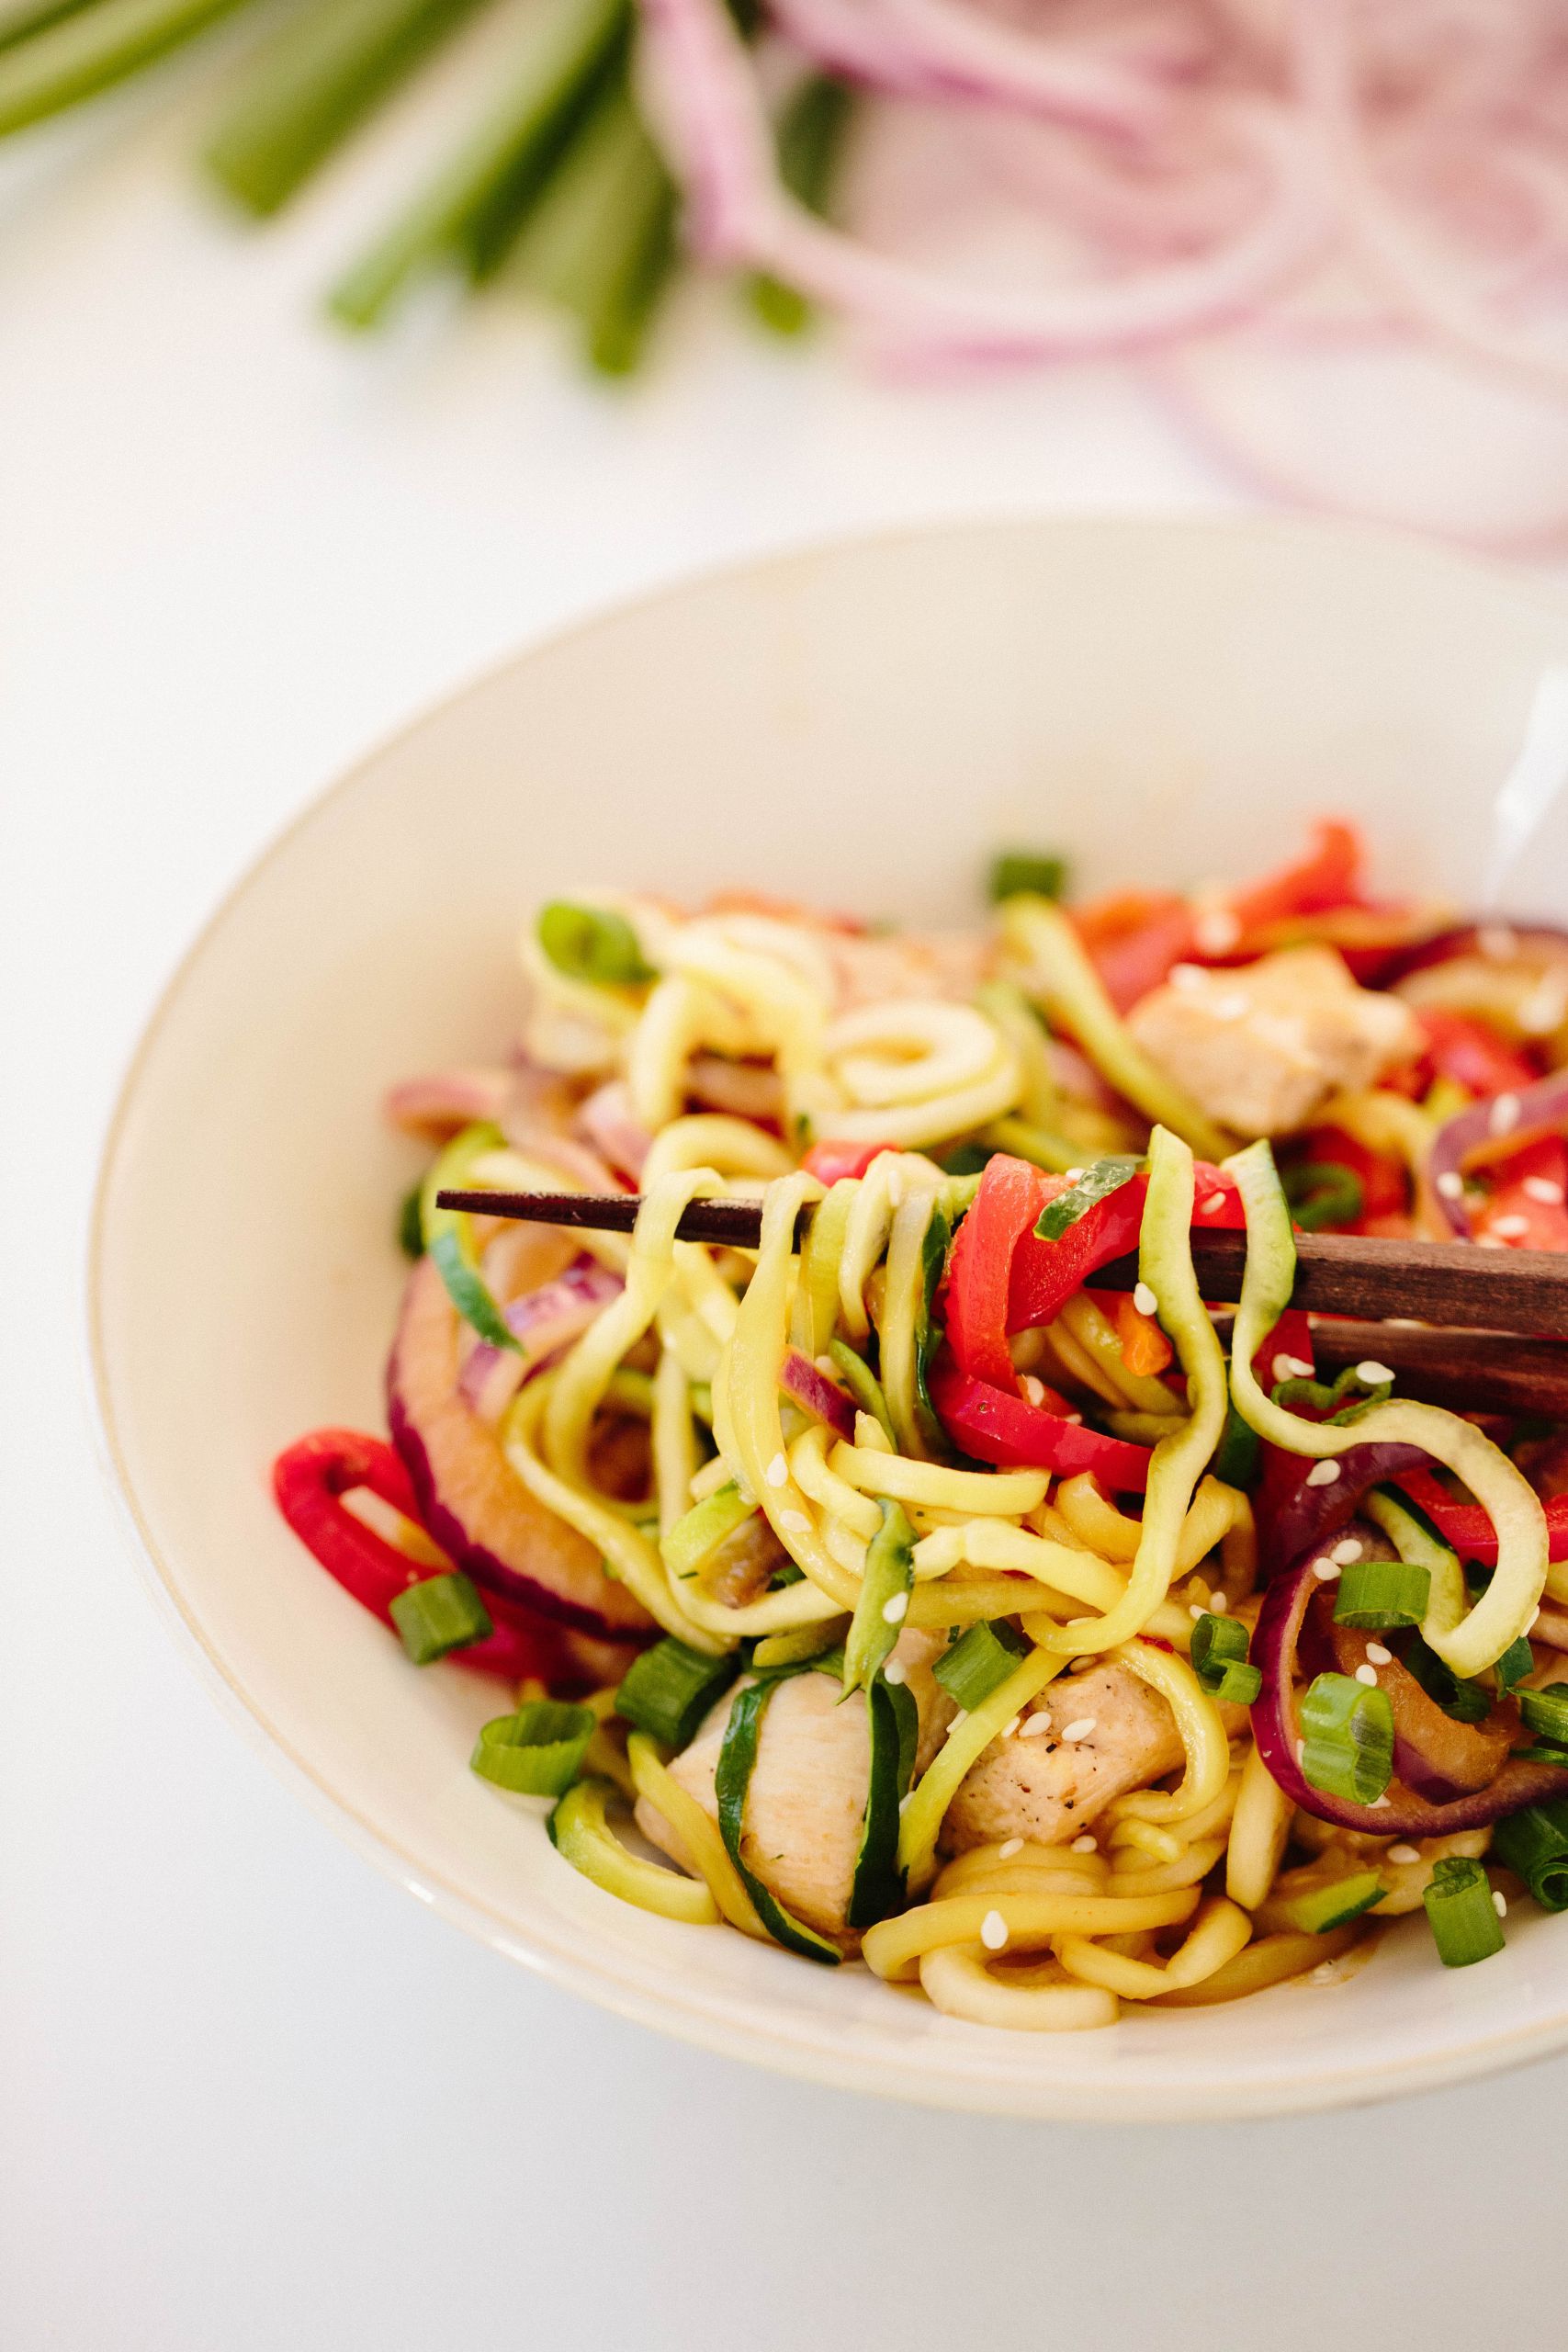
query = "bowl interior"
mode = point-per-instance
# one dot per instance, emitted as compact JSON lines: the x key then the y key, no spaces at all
{"x":859,"y":726}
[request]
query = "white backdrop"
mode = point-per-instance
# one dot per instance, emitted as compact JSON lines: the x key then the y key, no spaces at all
{"x":254,"y":2096}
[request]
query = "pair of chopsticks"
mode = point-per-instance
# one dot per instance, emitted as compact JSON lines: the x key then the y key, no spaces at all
{"x":1492,"y":1323}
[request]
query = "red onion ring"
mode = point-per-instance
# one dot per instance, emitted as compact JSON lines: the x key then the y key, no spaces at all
{"x":815,"y":1393}
{"x":1503,"y":1124}
{"x":1471,"y":939}
{"x":543,"y":1321}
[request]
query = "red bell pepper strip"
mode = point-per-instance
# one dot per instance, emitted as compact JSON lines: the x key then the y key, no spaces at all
{"x":309,"y":1479}
{"x":1005,"y":1208}
{"x":830,"y":1163}
{"x":1473,"y":1054}
{"x":1467,"y":1527}
{"x":1133,"y":939}
{"x":1046,"y":1273}
{"x":1279,"y":1473}
{"x":1520,"y":1210}
{"x":994,"y":1426}
{"x":1327,"y":876}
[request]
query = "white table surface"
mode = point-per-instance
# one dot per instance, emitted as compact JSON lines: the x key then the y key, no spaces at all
{"x":253,"y":2096}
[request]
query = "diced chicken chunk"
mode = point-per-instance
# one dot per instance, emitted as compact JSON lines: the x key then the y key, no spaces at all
{"x":1261,"y":1048}
{"x":1039,"y":1785}
{"x":806,"y":1803}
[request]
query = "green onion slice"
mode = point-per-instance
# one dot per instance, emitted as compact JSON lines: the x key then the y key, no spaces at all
{"x":592,"y":943}
{"x":1096,"y":1185}
{"x":1219,"y":1661}
{"x":862,"y":1384}
{"x":538,"y":1751}
{"x":1464,"y":1919}
{"x":1346,"y":1400}
{"x":878,"y":1890}
{"x":1323,"y":1907}
{"x":1346,"y":1739}
{"x":1016,"y":870}
{"x":668,"y":1691}
{"x":449,"y":1236}
{"x":979,"y":1662}
{"x":411,"y":1223}
{"x":1517,"y":1661}
{"x":884,"y":1600}
{"x":1322,"y":1192}
{"x":1535,"y":1844}
{"x":736,"y":1758}
{"x":1546,"y":1711}
{"x":1376,"y":1594}
{"x":440,"y":1613}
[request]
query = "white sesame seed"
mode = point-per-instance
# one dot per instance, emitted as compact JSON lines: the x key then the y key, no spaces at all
{"x":1490,"y":1241}
{"x":1504,"y":1115}
{"x":1213,"y":1204}
{"x":1080,"y":1729}
{"x":1076,"y":1418}
{"x":1347,"y":1551}
{"x":1370,"y":1373}
{"x":1033,"y":1390}
{"x":1217,"y":931}
{"x":1286,"y":1367}
{"x":1369,"y":1675}
{"x":1404,"y":1854}
{"x":1034,"y":1726}
{"x":1219,"y":1602}
{"x":961,"y":1716}
{"x":905,"y":1803}
{"x":1545,"y":1189}
{"x":1323,"y":1974}
{"x":895,"y":1608}
{"x":1325,"y":1570}
{"x":1145,"y":1300}
{"x":993,"y":1931}
{"x":1010,"y":1731}
{"x":1378,"y":1655}
{"x":1323,"y":1474}
{"x":1187,"y":975}
{"x":1075,"y":1175}
{"x":1544,"y":1010}
{"x":1008,"y":1847}
{"x":1451,"y":1183}
{"x":1499,"y":1903}
{"x":1380,"y":1805}
{"x":796,"y":1521}
{"x":777,"y":1472}
{"x":1082,"y":1665}
{"x":1085,"y":1845}
{"x":1510,"y":1228}
{"x":895,"y":1671}
{"x":1301,"y":1753}
{"x":1497,"y":942}
{"x":1195,"y":1609}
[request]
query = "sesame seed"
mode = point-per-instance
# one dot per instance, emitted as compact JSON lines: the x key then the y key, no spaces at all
{"x":1075,"y":1175}
{"x":961,"y":1716}
{"x":1034,"y":1390}
{"x":796,"y":1521}
{"x":1544,"y":1010}
{"x":1497,"y":942}
{"x":1034,"y":1726}
{"x":1346,"y":1551}
{"x":1504,"y":1115}
{"x":1217,"y":931}
{"x":993,"y":1931}
{"x":1081,"y":1728}
{"x":1378,"y":1655}
{"x":1499,"y":1903}
{"x":1213,"y":1204}
{"x":1219,"y":1602}
{"x":1008,"y":1847}
{"x":1145,"y":1300}
{"x":1370,"y":1374}
{"x":1490,"y":1241}
{"x":895,"y":1671}
{"x":1545,"y":1189}
{"x":777,"y":1472}
{"x":1195,"y":1609}
{"x":1082,"y":1665}
{"x":1404,"y":1854}
{"x":1369,"y":1675}
{"x":1085,"y":1845}
{"x":905,"y":1803}
{"x":1286,"y":1367}
{"x":895,"y":1608}
{"x":1510,"y":1228}
{"x":1187,"y":975}
{"x":1380,"y":1805}
{"x":1010,"y":1731}
{"x":1323,"y":1974}
{"x":1451,"y":1183}
{"x":1323,"y":1474}
{"x":1325,"y":1570}
{"x":1301,"y":1753}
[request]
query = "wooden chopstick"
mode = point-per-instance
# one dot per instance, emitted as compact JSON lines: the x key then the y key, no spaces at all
{"x":1336,"y":1274}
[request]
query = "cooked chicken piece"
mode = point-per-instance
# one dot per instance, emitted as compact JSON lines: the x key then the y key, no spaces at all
{"x":1041,"y":1786}
{"x":807,"y":1800}
{"x":1261,"y":1048}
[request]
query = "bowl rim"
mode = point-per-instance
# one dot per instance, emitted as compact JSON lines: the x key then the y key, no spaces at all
{"x":799,"y":2053}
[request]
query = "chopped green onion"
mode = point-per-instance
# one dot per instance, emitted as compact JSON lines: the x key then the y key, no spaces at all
{"x":1322,"y":1192}
{"x":1376,"y":1594}
{"x":449,"y":1234}
{"x":862,"y":1384}
{"x":1219,"y":1661}
{"x":1546,"y":1711}
{"x":737,"y":1756}
{"x":1014,"y":870}
{"x":1328,"y":1402}
{"x":411,"y":1223}
{"x":591,"y":944}
{"x":979,"y":1662}
{"x":1517,"y":1661}
{"x":811,"y":135}
{"x":1346,"y":1739}
{"x":83,"y":50}
{"x":1315,"y":1912}
{"x":1236,"y":1457}
{"x":1535,"y":1844}
{"x":698,"y":1533}
{"x":668,"y":1689}
{"x":1467,"y":1702}
{"x":967,"y":1159}
{"x":538,"y":1751}
{"x":440,"y":1613}
{"x":1464,"y":1919}
{"x":877,"y":1889}
{"x":601,"y":239}
{"x":1096,"y":1185}
{"x":884,"y":1599}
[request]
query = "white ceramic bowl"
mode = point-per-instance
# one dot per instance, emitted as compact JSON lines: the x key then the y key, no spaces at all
{"x":1163,"y":700}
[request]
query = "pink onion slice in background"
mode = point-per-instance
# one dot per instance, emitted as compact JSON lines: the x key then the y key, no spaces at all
{"x":817,"y":1395}
{"x":437,"y":1104}
{"x":614,"y":1129}
{"x":543,"y":1321}
{"x":1497,"y":1127}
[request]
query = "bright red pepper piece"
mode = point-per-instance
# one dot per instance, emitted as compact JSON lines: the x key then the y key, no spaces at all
{"x":1327,"y":876}
{"x":994,"y":1426}
{"x":1473,"y":1056}
{"x":1004,"y":1209}
{"x":1524,"y":1208}
{"x":1133,"y":939}
{"x":309,"y":1479}
{"x":1046,"y":1273}
{"x":1466,"y":1525}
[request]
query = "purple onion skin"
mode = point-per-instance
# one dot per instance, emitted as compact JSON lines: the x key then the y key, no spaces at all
{"x":1542,"y":1109}
{"x":817,"y":1394}
{"x":1464,"y":939}
{"x":1305,"y":1519}
{"x":1404,"y":1813}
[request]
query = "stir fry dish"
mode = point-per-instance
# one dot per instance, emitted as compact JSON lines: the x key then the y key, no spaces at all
{"x":945,"y":1583}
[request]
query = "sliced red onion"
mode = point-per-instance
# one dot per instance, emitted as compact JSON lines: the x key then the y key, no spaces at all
{"x":544,"y":1321}
{"x":817,"y":1394}
{"x":1306,"y":1518}
{"x":1501,"y":1124}
{"x":1502,"y":941}
{"x":613,"y":1128}
{"x":436,"y":1105}
{"x":746,"y":1089}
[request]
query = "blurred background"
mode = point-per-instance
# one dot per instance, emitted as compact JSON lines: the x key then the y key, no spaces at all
{"x":344,"y":345}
